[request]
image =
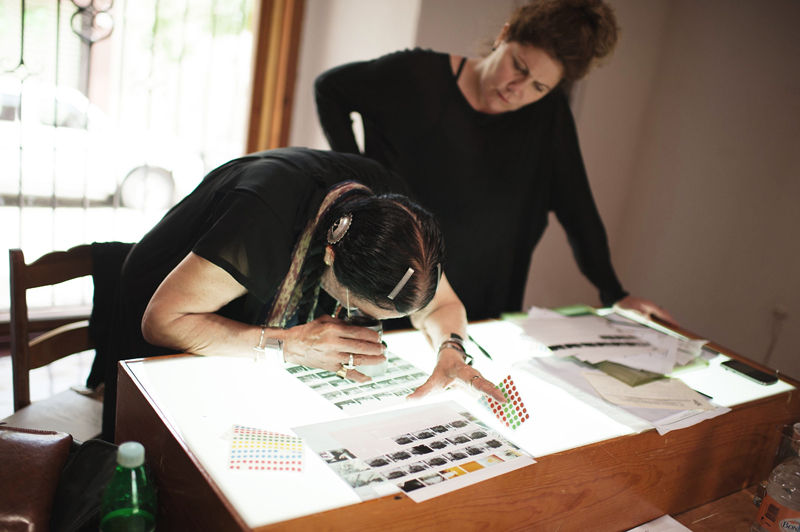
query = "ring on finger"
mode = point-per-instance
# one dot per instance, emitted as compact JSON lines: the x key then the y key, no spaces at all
{"x":342,"y":373}
{"x":350,"y":364}
{"x":472,"y":382}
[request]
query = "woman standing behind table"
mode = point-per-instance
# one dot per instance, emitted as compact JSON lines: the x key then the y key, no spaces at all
{"x":490,"y":146}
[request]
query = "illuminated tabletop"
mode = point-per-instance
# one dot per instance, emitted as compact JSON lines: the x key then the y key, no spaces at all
{"x":591,"y":470}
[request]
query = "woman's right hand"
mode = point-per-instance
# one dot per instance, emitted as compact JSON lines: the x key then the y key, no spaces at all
{"x":327,"y":343}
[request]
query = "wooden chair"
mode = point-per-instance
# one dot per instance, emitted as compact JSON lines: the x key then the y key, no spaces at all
{"x":69,"y":411}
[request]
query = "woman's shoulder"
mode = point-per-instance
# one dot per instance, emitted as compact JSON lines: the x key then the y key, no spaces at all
{"x":416,"y":59}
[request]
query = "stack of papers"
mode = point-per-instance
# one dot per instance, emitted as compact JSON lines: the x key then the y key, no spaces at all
{"x":614,"y":359}
{"x":613,"y":338}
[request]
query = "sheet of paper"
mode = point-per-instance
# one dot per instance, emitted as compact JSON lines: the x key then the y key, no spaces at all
{"x":545,"y":313}
{"x":662,"y":524}
{"x":513,"y":412}
{"x":424,"y":452}
{"x":670,"y":394}
{"x":401,"y":378}
{"x":254,"y":449}
{"x":688,"y":350}
{"x":671,"y":350}
{"x":567,"y":374}
{"x":588,"y":338}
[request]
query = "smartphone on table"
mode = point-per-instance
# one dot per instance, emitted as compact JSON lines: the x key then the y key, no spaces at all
{"x":747,"y":371}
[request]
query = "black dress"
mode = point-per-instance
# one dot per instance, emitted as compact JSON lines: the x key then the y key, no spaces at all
{"x":490,"y":179}
{"x":244,"y":217}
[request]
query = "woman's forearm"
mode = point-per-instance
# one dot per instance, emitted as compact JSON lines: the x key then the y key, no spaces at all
{"x":202,"y":334}
{"x":444,"y":316}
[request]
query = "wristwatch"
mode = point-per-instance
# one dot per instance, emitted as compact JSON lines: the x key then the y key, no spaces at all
{"x":457,"y":343}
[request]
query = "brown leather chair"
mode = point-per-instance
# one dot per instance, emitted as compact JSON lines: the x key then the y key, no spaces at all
{"x":51,"y":482}
{"x":70,"y":411}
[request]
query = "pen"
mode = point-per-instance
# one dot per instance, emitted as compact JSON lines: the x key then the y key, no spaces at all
{"x":481,"y":348}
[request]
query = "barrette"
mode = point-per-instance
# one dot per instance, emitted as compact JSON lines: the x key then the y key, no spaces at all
{"x":339,"y":228}
{"x":401,"y":284}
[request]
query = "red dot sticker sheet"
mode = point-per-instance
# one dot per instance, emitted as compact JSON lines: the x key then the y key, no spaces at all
{"x":263,"y":450}
{"x":514,"y":412}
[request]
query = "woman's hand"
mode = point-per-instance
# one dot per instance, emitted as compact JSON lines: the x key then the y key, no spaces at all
{"x":327,"y":343}
{"x":646,"y":308}
{"x":451,"y":369}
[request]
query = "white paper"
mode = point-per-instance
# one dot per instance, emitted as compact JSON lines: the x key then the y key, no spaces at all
{"x":659,"y":360}
{"x":424,"y":452}
{"x":588,"y":338}
{"x":671,"y":350}
{"x":670,"y":394}
{"x":688,"y":350}
{"x":391,"y":388}
{"x":662,"y":524}
{"x":568,"y":375}
{"x":545,"y":313}
{"x":565,"y":374}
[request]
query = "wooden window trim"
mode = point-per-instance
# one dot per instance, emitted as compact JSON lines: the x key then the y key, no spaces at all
{"x":274,"y":73}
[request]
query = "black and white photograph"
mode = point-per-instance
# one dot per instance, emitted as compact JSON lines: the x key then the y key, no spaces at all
{"x":379,"y":461}
{"x":336,"y":455}
{"x":365,"y":478}
{"x":431,"y":479}
{"x":405,"y":439}
{"x":349,"y":467}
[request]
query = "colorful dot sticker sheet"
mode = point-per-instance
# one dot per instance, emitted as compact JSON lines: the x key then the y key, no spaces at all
{"x":401,"y":378}
{"x":263,"y":450}
{"x":513,"y":413}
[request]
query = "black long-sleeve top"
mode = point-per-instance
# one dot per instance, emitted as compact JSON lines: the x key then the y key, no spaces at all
{"x":490,"y":179}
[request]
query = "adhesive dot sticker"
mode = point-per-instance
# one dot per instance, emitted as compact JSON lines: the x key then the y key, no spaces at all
{"x":514,"y":412}
{"x":263,"y":450}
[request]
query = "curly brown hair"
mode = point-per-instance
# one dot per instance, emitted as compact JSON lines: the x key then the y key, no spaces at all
{"x":575,"y":32}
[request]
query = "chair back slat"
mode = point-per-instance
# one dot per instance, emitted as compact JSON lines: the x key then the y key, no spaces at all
{"x":60,"y":266}
{"x":59,"y":343}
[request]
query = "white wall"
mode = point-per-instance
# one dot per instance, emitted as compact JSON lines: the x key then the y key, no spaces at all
{"x":462,"y":27}
{"x":341,"y":31}
{"x":711,"y":228}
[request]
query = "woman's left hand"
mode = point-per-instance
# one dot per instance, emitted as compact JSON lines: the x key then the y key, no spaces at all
{"x":646,"y":308}
{"x":451,"y":369}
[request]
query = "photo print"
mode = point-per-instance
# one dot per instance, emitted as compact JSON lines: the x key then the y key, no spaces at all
{"x":423,"y":451}
{"x":401,"y":379}
{"x":336,"y":455}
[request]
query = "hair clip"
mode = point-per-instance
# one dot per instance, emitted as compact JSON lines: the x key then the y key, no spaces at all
{"x":401,"y":284}
{"x":339,"y":228}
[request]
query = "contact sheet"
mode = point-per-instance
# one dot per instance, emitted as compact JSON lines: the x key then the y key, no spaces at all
{"x":401,"y":378}
{"x":432,"y":451}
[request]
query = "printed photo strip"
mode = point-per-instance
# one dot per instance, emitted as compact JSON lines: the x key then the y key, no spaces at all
{"x":401,"y":378}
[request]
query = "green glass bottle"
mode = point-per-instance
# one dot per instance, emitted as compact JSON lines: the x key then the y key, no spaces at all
{"x":129,"y":502}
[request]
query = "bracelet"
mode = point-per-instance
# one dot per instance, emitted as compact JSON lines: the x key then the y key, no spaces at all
{"x":447,"y":344}
{"x":271,"y":344}
{"x":457,"y":343}
{"x":261,"y":340}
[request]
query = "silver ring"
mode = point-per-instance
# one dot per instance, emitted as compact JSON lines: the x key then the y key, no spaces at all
{"x":471,"y":382}
{"x":350,"y":364}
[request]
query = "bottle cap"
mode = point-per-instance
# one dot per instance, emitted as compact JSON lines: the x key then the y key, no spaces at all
{"x":130,"y":454}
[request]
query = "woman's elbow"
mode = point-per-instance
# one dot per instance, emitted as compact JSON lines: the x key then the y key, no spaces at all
{"x":154,"y":329}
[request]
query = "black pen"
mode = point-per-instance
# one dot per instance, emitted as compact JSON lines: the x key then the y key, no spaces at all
{"x":481,"y":348}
